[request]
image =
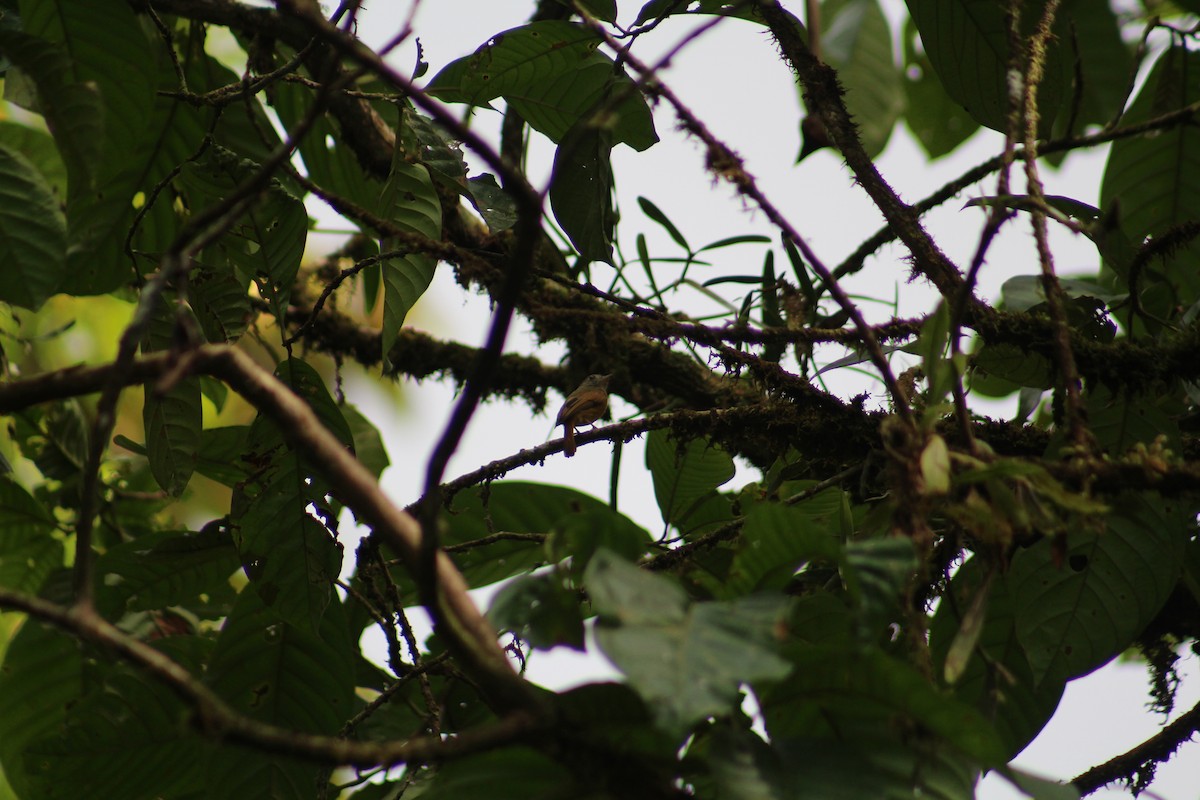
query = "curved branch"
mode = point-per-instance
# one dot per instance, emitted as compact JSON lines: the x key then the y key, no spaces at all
{"x":469,"y":635}
{"x":215,"y":719}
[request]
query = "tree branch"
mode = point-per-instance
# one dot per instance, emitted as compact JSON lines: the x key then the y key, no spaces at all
{"x":1139,"y":763}
{"x":216,"y":720}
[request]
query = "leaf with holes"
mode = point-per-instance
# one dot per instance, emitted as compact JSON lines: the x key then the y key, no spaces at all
{"x":1075,"y":616}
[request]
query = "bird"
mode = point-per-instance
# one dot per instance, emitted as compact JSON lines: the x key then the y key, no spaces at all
{"x":583,"y":406}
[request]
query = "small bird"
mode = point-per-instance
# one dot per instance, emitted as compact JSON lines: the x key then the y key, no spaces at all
{"x":583,"y":406}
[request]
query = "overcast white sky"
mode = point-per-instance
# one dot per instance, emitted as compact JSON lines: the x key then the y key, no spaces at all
{"x":734,"y":80}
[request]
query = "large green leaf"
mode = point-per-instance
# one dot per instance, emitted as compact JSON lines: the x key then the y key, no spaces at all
{"x":278,"y":673}
{"x":576,"y":524}
{"x":220,"y":302}
{"x":29,"y":550}
{"x":1152,"y":181}
{"x":280,"y":515}
{"x":541,"y":609}
{"x":830,"y":686}
{"x":107,"y":47}
{"x":675,"y":654}
{"x":1075,"y":616}
{"x":72,"y":110}
{"x":997,"y":678}
{"x":126,"y":738}
{"x":40,"y":681}
{"x":33,"y":234}
{"x":659,"y":9}
{"x":581,"y":189}
{"x":967,"y":44}
{"x":219,"y":454}
{"x":328,"y":160}
{"x":170,"y":568}
{"x":776,"y":540}
{"x":110,"y":55}
{"x":551,"y":72}
{"x":937,"y":122}
{"x":1122,"y":421}
{"x":684,"y":474}
{"x":858,"y":42}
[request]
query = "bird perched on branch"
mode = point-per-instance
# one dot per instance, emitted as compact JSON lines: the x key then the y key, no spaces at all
{"x":583,"y":406}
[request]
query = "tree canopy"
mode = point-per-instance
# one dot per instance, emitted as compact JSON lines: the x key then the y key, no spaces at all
{"x":844,"y":593}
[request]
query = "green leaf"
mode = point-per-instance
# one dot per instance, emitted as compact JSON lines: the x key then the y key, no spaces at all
{"x":931,"y":344}
{"x":867,"y":762}
{"x":33,"y":234}
{"x":1009,"y":363}
{"x":745,"y":768}
{"x":1149,"y":180}
{"x":877,"y":572}
{"x":29,"y":550}
{"x":1122,"y":421}
{"x":169,"y":568}
{"x":494,"y":204}
{"x":655,"y":213}
{"x":684,"y":475}
{"x":220,"y":302}
{"x":41,"y":679}
{"x":219,"y":452}
{"x":1001,"y":685}
{"x":1023,"y":292}
{"x":541,"y":610}
{"x":111,"y":77}
{"x":581,"y":190}
{"x":657,"y":9}
{"x":265,"y":244}
{"x":72,"y":110}
{"x":605,"y":10}
{"x":511,"y":773}
{"x":280,"y":515}
{"x":1075,"y":616}
{"x":409,"y":202}
{"x":831,"y":686}
{"x":172,"y":419}
{"x":127,"y":737}
{"x":38,"y":147}
{"x":677,"y":656}
{"x":967,"y":44}
{"x":578,"y":536}
{"x":368,"y":443}
{"x":551,"y":73}
{"x":328,"y":160}
{"x":937,"y":122}
{"x":858,"y":43}
{"x":107,"y":47}
{"x":278,"y":673}
{"x":528,"y":508}
{"x":777,"y":540}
